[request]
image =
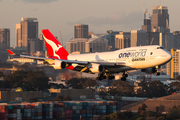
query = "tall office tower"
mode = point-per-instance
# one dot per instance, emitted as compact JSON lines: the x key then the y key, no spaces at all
{"x":4,"y":43}
{"x":111,"y":41}
{"x":160,"y":19}
{"x":18,"y":35}
{"x":147,"y":25}
{"x":29,"y":30}
{"x":122,"y":40}
{"x":84,"y":45}
{"x":96,"y":45}
{"x":109,"y":37}
{"x":4,"y":39}
{"x":138,"y":38}
{"x":173,"y":67}
{"x":77,"y":44}
{"x":80,"y":31}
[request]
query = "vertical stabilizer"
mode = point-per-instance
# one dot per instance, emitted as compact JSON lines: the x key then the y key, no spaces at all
{"x":54,"y":48}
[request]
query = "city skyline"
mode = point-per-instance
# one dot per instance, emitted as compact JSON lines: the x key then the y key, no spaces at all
{"x":100,"y":15}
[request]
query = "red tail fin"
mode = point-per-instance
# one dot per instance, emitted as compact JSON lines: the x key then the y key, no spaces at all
{"x":54,"y":48}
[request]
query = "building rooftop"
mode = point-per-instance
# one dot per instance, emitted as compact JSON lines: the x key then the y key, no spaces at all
{"x":28,"y":18}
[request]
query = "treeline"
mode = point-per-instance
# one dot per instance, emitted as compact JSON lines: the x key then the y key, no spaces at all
{"x":145,"y":89}
{"x":142,"y":114}
{"x":81,"y":83}
{"x":29,"y":80}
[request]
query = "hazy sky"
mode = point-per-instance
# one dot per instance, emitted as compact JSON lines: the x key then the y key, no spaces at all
{"x":100,"y":15}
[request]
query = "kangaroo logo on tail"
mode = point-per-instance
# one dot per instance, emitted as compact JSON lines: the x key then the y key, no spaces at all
{"x":54,"y":48}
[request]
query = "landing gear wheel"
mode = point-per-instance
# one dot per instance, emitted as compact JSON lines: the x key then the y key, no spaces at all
{"x":123,"y":79}
{"x":124,"y":76}
{"x":157,"y":73}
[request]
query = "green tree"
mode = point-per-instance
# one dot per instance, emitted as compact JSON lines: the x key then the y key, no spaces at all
{"x":31,"y":80}
{"x":140,"y":118}
{"x":67,"y":98}
{"x":113,"y":91}
{"x":81,"y":83}
{"x":161,"y":108}
{"x":36,"y":80}
{"x":124,"y":87}
{"x":157,"y":109}
{"x":58,"y":98}
{"x":15,"y":79}
{"x":116,"y":116}
{"x":89,"y":83}
{"x":161,"y":118}
{"x":174,"y":112}
{"x":153,"y":89}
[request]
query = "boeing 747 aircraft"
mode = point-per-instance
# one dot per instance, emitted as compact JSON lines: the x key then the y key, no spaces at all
{"x":147,"y":58}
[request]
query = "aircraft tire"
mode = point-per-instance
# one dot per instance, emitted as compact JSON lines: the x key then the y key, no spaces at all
{"x":123,"y":79}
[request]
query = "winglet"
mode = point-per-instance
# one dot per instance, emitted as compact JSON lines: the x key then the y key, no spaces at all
{"x":10,"y":52}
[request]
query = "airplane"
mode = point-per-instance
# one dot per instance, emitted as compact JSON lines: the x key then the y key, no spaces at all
{"x":147,"y":58}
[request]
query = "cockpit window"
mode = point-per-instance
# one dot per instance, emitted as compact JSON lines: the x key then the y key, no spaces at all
{"x":160,"y":47}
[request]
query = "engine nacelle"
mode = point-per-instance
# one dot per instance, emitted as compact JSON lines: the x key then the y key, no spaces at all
{"x":96,"y":68}
{"x":59,"y":64}
{"x":149,"y":70}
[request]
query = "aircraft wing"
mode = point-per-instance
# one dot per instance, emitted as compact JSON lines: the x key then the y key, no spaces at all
{"x":81,"y":65}
{"x":48,"y":59}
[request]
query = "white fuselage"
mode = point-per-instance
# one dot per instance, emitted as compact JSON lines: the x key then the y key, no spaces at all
{"x":134,"y":57}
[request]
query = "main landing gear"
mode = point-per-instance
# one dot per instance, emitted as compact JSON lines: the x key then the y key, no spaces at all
{"x":107,"y":76}
{"x":124,"y":76}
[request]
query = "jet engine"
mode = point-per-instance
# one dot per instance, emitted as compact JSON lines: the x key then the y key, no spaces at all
{"x":97,"y":68}
{"x":59,"y":64}
{"x":149,"y":70}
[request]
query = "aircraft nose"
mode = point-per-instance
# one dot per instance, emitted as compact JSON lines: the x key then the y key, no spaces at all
{"x":169,"y":56}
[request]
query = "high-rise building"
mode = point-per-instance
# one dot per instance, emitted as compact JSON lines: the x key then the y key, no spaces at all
{"x":122,"y":40}
{"x":80,"y":31}
{"x":157,"y":27}
{"x":18,"y":35}
{"x":29,"y":30}
{"x":138,"y":38}
{"x":111,"y":39}
{"x":34,"y":45}
{"x":96,"y":45}
{"x":4,"y":38}
{"x":160,"y":19}
{"x":173,"y":67}
{"x":77,"y":44}
{"x":4,"y":43}
{"x":84,"y":45}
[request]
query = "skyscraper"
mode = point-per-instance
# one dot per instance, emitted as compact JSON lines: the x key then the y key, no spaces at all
{"x":160,"y":19}
{"x":157,"y":27}
{"x":138,"y":38}
{"x":28,"y":30}
{"x":18,"y":35}
{"x":80,"y":31}
{"x":4,"y":39}
{"x":4,"y":43}
{"x":122,"y":40}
